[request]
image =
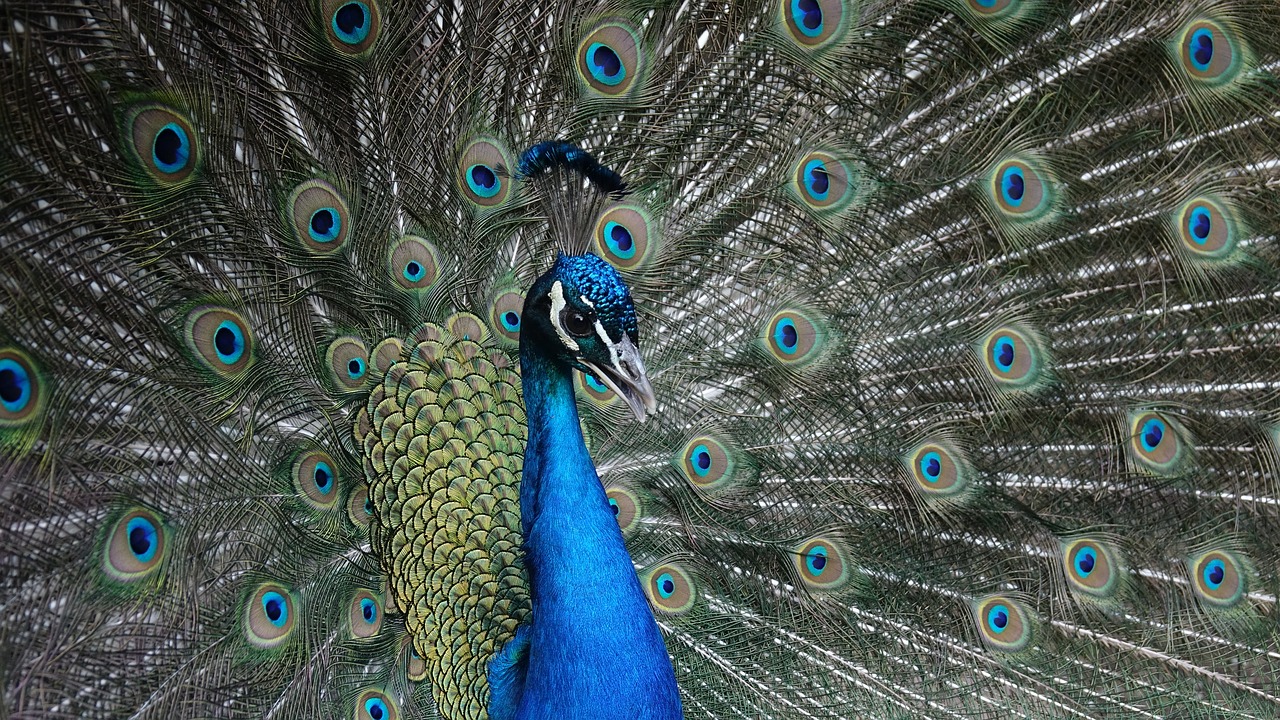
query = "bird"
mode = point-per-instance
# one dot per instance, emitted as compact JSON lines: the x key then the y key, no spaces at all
{"x":639,"y":359}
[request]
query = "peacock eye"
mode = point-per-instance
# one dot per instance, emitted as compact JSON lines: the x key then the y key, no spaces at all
{"x":577,"y":324}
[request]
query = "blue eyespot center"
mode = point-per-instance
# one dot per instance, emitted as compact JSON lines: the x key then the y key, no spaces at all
{"x":355,"y":368}
{"x":228,"y":342}
{"x":816,"y":560}
{"x":368,"y":507}
{"x":414,"y":271}
{"x":1086,"y":560}
{"x":1013,"y":186}
{"x":323,"y":476}
{"x":786,"y":337}
{"x":511,"y":321}
{"x":931,"y":466}
{"x":376,"y":708}
{"x":275,"y":607}
{"x":483,"y":181}
{"x":619,"y":240}
{"x":998,"y":618}
{"x":15,"y":385}
{"x":1199,"y":225}
{"x":701,"y":460}
{"x":171,"y":148}
{"x":614,"y":505}
{"x":1152,"y":434}
{"x":816,"y":179}
{"x":142,"y":539}
{"x":326,"y":225}
{"x":605,"y":65}
{"x":1002,"y":353}
{"x":1214,"y":573}
{"x":351,"y":23}
{"x":368,"y":610}
{"x":807,"y":15}
{"x":621,"y":237}
{"x":666,"y":585}
{"x":1201,"y":49}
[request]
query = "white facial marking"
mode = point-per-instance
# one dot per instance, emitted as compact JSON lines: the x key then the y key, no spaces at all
{"x":613,"y":349}
{"x":557,"y":304}
{"x":604,"y":336}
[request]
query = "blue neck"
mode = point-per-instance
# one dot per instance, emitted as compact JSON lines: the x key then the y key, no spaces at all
{"x":594,"y":648}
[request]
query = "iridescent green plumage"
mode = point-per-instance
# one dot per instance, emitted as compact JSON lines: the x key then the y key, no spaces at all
{"x":443,"y":440}
{"x":960,"y":314}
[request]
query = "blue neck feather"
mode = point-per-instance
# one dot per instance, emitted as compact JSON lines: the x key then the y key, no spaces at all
{"x":594,"y":649}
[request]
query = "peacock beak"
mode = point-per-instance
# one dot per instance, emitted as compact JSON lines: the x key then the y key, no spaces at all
{"x":626,"y":377}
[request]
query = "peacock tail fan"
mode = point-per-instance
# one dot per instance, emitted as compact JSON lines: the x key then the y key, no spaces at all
{"x":961,"y":317}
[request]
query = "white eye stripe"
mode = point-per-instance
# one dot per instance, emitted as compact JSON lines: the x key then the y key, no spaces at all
{"x":557,"y":304}
{"x":613,"y":349}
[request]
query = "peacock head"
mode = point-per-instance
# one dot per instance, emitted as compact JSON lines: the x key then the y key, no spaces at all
{"x":580,"y":313}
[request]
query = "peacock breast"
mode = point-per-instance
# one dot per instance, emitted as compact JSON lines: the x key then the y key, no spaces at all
{"x":443,"y":439}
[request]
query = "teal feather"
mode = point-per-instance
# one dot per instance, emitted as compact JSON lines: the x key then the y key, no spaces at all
{"x":959,"y":314}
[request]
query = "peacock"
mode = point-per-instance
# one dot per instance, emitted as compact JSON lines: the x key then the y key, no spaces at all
{"x":640,"y":359}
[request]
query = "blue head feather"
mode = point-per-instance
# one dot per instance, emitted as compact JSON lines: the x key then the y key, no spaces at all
{"x":590,"y":277}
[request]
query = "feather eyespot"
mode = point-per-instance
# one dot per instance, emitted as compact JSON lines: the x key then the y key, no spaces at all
{"x":1003,"y":623}
{"x":319,"y":217}
{"x":623,"y":236}
{"x":670,"y":589}
{"x":1206,"y":229}
{"x":824,"y":183}
{"x":352,"y":26}
{"x":315,"y":476}
{"x":707,"y":464}
{"x":626,"y":508}
{"x":21,"y":391}
{"x":1219,"y":578}
{"x":1021,"y":189}
{"x":483,"y":173}
{"x":506,"y":313}
{"x":938,"y":470}
{"x":348,"y":361}
{"x":609,"y":59}
{"x":413,"y":263}
{"x":360,"y":507}
{"x":163,"y":142}
{"x":1013,"y":357}
{"x":1091,"y":567}
{"x":220,"y":339}
{"x":387,"y":353}
{"x":376,"y":705}
{"x":465,"y":326}
{"x":270,"y":616}
{"x":1209,"y":52}
{"x":365,"y":616}
{"x":821,"y":563}
{"x":135,"y":547}
{"x":1156,"y":443}
{"x":991,"y":8}
{"x":791,"y":337}
{"x":813,"y":24}
{"x":415,"y":667}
